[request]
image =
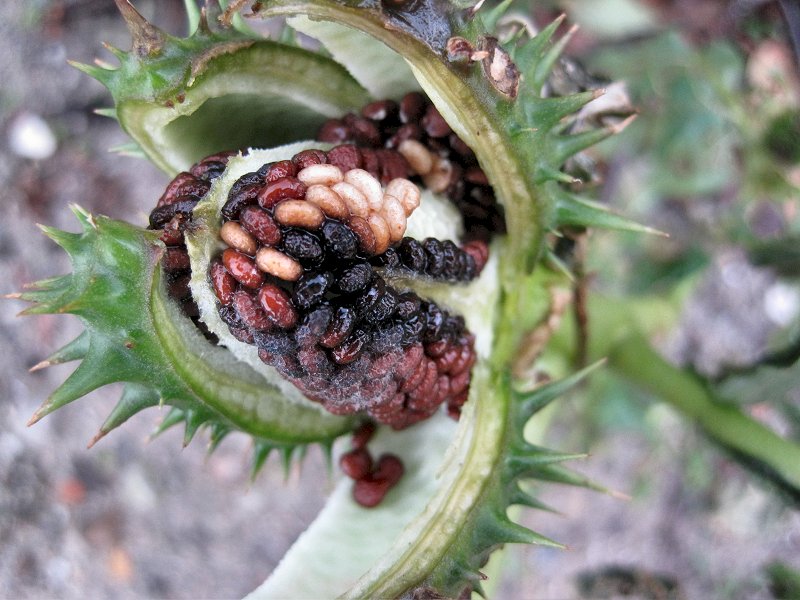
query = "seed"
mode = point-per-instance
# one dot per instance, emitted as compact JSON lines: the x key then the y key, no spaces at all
{"x":366,"y":239}
{"x":434,"y":255}
{"x":321,"y":174}
{"x":333,"y":131}
{"x":365,"y":301}
{"x":310,"y":289}
{"x":212,"y":166}
{"x":363,"y":434}
{"x":277,"y":306}
{"x":381,"y":231}
{"x":407,"y":305}
{"x":299,"y":213}
{"x":281,"y":189}
{"x":412,"y":329}
{"x":172,"y":234}
{"x":380,"y":110}
{"x":278,"y":264}
{"x":276,"y":343}
{"x":369,"y":492}
{"x":409,"y":131}
{"x":350,"y":349}
{"x":178,"y":288}
{"x":413,"y":255}
{"x":356,"y":202}
{"x":243,"y":268}
{"x":314,"y":361}
{"x":372,"y":163}
{"x":223,"y":283}
{"x":306,"y":158}
{"x":460,"y":147}
{"x":406,"y":192}
{"x":383,"y":308}
{"x":279,"y":170}
{"x":412,"y":106}
{"x":303,"y":246}
{"x":328,"y":201}
{"x":339,"y":239}
{"x":259,"y":223}
{"x":340,"y":326}
{"x":368,"y":185}
{"x":450,"y":256}
{"x":354,"y":279}
{"x":249,"y":312}
{"x":438,"y":179}
{"x":479,"y":251}
{"x":388,"y":259}
{"x":164,"y":214}
{"x":239,"y":198}
{"x":314,"y":325}
{"x":392,"y":165}
{"x":387,"y":338}
{"x":364,"y":131}
{"x":356,"y":464}
{"x":418,"y":156}
{"x":395,"y":216}
{"x":346,"y":157}
{"x":390,"y":467}
{"x":459,"y":383}
{"x":476,"y":176}
{"x":175,"y":259}
{"x":434,"y":124}
{"x":184,"y":184}
{"x":236,"y":237}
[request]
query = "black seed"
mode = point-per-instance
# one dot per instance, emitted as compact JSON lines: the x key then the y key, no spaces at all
{"x":388,"y":259}
{"x":340,"y":326}
{"x":373,"y":293}
{"x":245,"y":180}
{"x":243,"y":196}
{"x":412,"y":329}
{"x":355,"y":278}
{"x":412,"y":255}
{"x":407,"y":305}
{"x":303,"y":246}
{"x":230,"y":317}
{"x":314,"y":325}
{"x":163,"y":214}
{"x":383,"y":307}
{"x":470,"y":268}
{"x":434,"y":320}
{"x":339,"y":239}
{"x":434,"y":252}
{"x":311,"y":288}
{"x":277,"y":343}
{"x":449,"y":253}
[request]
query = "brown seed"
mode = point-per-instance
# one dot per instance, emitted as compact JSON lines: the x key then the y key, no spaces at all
{"x":328,"y":201}
{"x":306,"y":158}
{"x":459,"y":383}
{"x":175,"y":259}
{"x":366,"y":239}
{"x":223,"y":283}
{"x":243,"y":268}
{"x":278,"y":264}
{"x":363,"y":131}
{"x":380,"y":230}
{"x":282,"y":189}
{"x":392,"y":165}
{"x":279,"y":170}
{"x":363,"y":434}
{"x":356,"y":464}
{"x":479,"y":251}
{"x":249,"y":311}
{"x":333,"y":131}
{"x":277,"y":305}
{"x":409,"y":131}
{"x":233,"y":234}
{"x":369,"y":492}
{"x":299,"y":213}
{"x":390,"y":468}
{"x":412,"y":106}
{"x":356,"y":201}
{"x":380,"y":110}
{"x":434,"y":124}
{"x":350,"y":349}
{"x":260,"y":224}
{"x":184,"y":184}
{"x":415,"y":379}
{"x":476,"y":176}
{"x":418,"y":156}
{"x":345,"y":156}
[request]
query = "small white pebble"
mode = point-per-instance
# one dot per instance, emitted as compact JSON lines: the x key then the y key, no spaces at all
{"x":439,"y":178}
{"x":328,"y":201}
{"x":29,"y":136}
{"x":278,"y":264}
{"x":381,"y":231}
{"x":236,"y":237}
{"x":395,"y":216}
{"x":298,"y":213}
{"x":418,"y":156}
{"x":321,"y":174}
{"x":406,"y":192}
{"x":356,"y":201}
{"x":367,"y":185}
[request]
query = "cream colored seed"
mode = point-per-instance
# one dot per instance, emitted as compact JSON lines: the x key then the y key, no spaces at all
{"x":278,"y":264}
{"x":395,"y":216}
{"x":299,"y":213}
{"x":381,"y":231}
{"x":321,"y":174}
{"x":439,"y":178}
{"x":356,"y":201}
{"x":406,"y":192}
{"x":367,"y":185}
{"x":237,"y":237}
{"x":418,"y":156}
{"x":328,"y":201}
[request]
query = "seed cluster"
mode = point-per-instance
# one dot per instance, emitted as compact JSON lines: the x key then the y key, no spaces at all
{"x":301,"y":280}
{"x":415,"y":129}
{"x":372,"y":480}
{"x":172,"y":215}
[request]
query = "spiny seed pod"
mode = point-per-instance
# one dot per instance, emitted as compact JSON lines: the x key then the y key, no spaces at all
{"x":488,"y":140}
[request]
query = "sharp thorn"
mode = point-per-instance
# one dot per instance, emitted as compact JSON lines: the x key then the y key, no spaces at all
{"x":40,"y":365}
{"x":13,"y":296}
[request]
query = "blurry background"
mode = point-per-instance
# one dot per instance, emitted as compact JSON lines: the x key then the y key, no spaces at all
{"x":712,"y":160}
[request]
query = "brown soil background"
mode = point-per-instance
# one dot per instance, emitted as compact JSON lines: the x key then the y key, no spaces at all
{"x":137,"y":519}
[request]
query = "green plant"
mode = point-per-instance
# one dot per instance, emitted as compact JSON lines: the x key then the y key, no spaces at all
{"x":170,"y":98}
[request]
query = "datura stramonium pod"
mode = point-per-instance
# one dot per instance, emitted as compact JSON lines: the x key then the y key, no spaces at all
{"x":381,"y":262}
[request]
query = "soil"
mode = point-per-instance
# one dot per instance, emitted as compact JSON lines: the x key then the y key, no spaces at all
{"x":133,"y":519}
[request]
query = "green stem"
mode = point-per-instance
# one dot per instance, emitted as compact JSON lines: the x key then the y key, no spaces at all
{"x":636,"y":360}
